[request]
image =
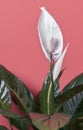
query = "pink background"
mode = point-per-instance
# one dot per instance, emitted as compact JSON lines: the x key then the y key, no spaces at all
{"x":20,"y":49}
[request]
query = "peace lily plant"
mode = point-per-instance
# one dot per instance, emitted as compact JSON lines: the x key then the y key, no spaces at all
{"x":52,"y":109}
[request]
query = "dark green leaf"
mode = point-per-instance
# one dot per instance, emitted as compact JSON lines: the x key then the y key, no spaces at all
{"x":77,"y":117}
{"x":74,"y":105}
{"x":56,"y":87}
{"x":78,"y":113}
{"x":78,"y":80}
{"x":62,"y":128}
{"x":20,"y":125}
{"x":61,"y":72}
{"x":56,"y":84}
{"x":5,"y":98}
{"x":74,"y":125}
{"x":47,"y":96}
{"x":20,"y":93}
{"x":74,"y":83}
{"x":16,"y":120}
{"x":3,"y":128}
{"x":43,"y":96}
{"x":64,"y":97}
{"x":34,"y":128}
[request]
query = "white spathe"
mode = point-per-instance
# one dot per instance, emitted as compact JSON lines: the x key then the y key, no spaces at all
{"x":58,"y":64}
{"x":50,"y":35}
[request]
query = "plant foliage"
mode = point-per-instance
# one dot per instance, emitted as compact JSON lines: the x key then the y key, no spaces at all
{"x":58,"y":110}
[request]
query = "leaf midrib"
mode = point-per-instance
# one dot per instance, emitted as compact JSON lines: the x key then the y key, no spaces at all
{"x":18,"y":98}
{"x":48,"y":98}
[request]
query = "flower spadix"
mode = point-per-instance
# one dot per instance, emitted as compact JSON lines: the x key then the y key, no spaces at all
{"x":50,"y":35}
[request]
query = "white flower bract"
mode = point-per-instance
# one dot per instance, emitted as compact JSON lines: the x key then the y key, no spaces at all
{"x":50,"y":35}
{"x":58,"y":64}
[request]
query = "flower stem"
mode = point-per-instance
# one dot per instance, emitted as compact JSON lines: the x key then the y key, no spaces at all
{"x":50,"y":96}
{"x":51,"y":67}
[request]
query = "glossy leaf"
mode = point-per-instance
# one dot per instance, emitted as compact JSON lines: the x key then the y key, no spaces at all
{"x":76,"y":121}
{"x":45,"y":122}
{"x":57,"y":85}
{"x":73,"y":88}
{"x":5,"y":98}
{"x":74,"y":105}
{"x":16,"y":120}
{"x":3,"y":128}
{"x":77,"y":116}
{"x":74,"y":125}
{"x":78,"y":113}
{"x":64,"y":97}
{"x":61,"y":72}
{"x":47,"y":96}
{"x":19,"y":124}
{"x":75,"y":82}
{"x":44,"y":94}
{"x":20,"y":93}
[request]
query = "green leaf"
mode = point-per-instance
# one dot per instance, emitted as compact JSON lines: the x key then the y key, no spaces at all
{"x":47,"y":96}
{"x":61,"y":72}
{"x":64,"y":97}
{"x":78,"y":113}
{"x":16,"y":120}
{"x":78,"y":80}
{"x":75,"y":125}
{"x":19,"y":124}
{"x":77,"y":116}
{"x":5,"y":98}
{"x":20,"y":93}
{"x":45,"y":122}
{"x":46,"y":99}
{"x":56,"y":87}
{"x":3,"y":128}
{"x":56,"y":84}
{"x":74,"y":105}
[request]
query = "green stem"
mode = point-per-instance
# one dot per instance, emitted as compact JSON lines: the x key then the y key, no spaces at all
{"x":10,"y":125}
{"x":51,"y":67}
{"x":50,"y":89}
